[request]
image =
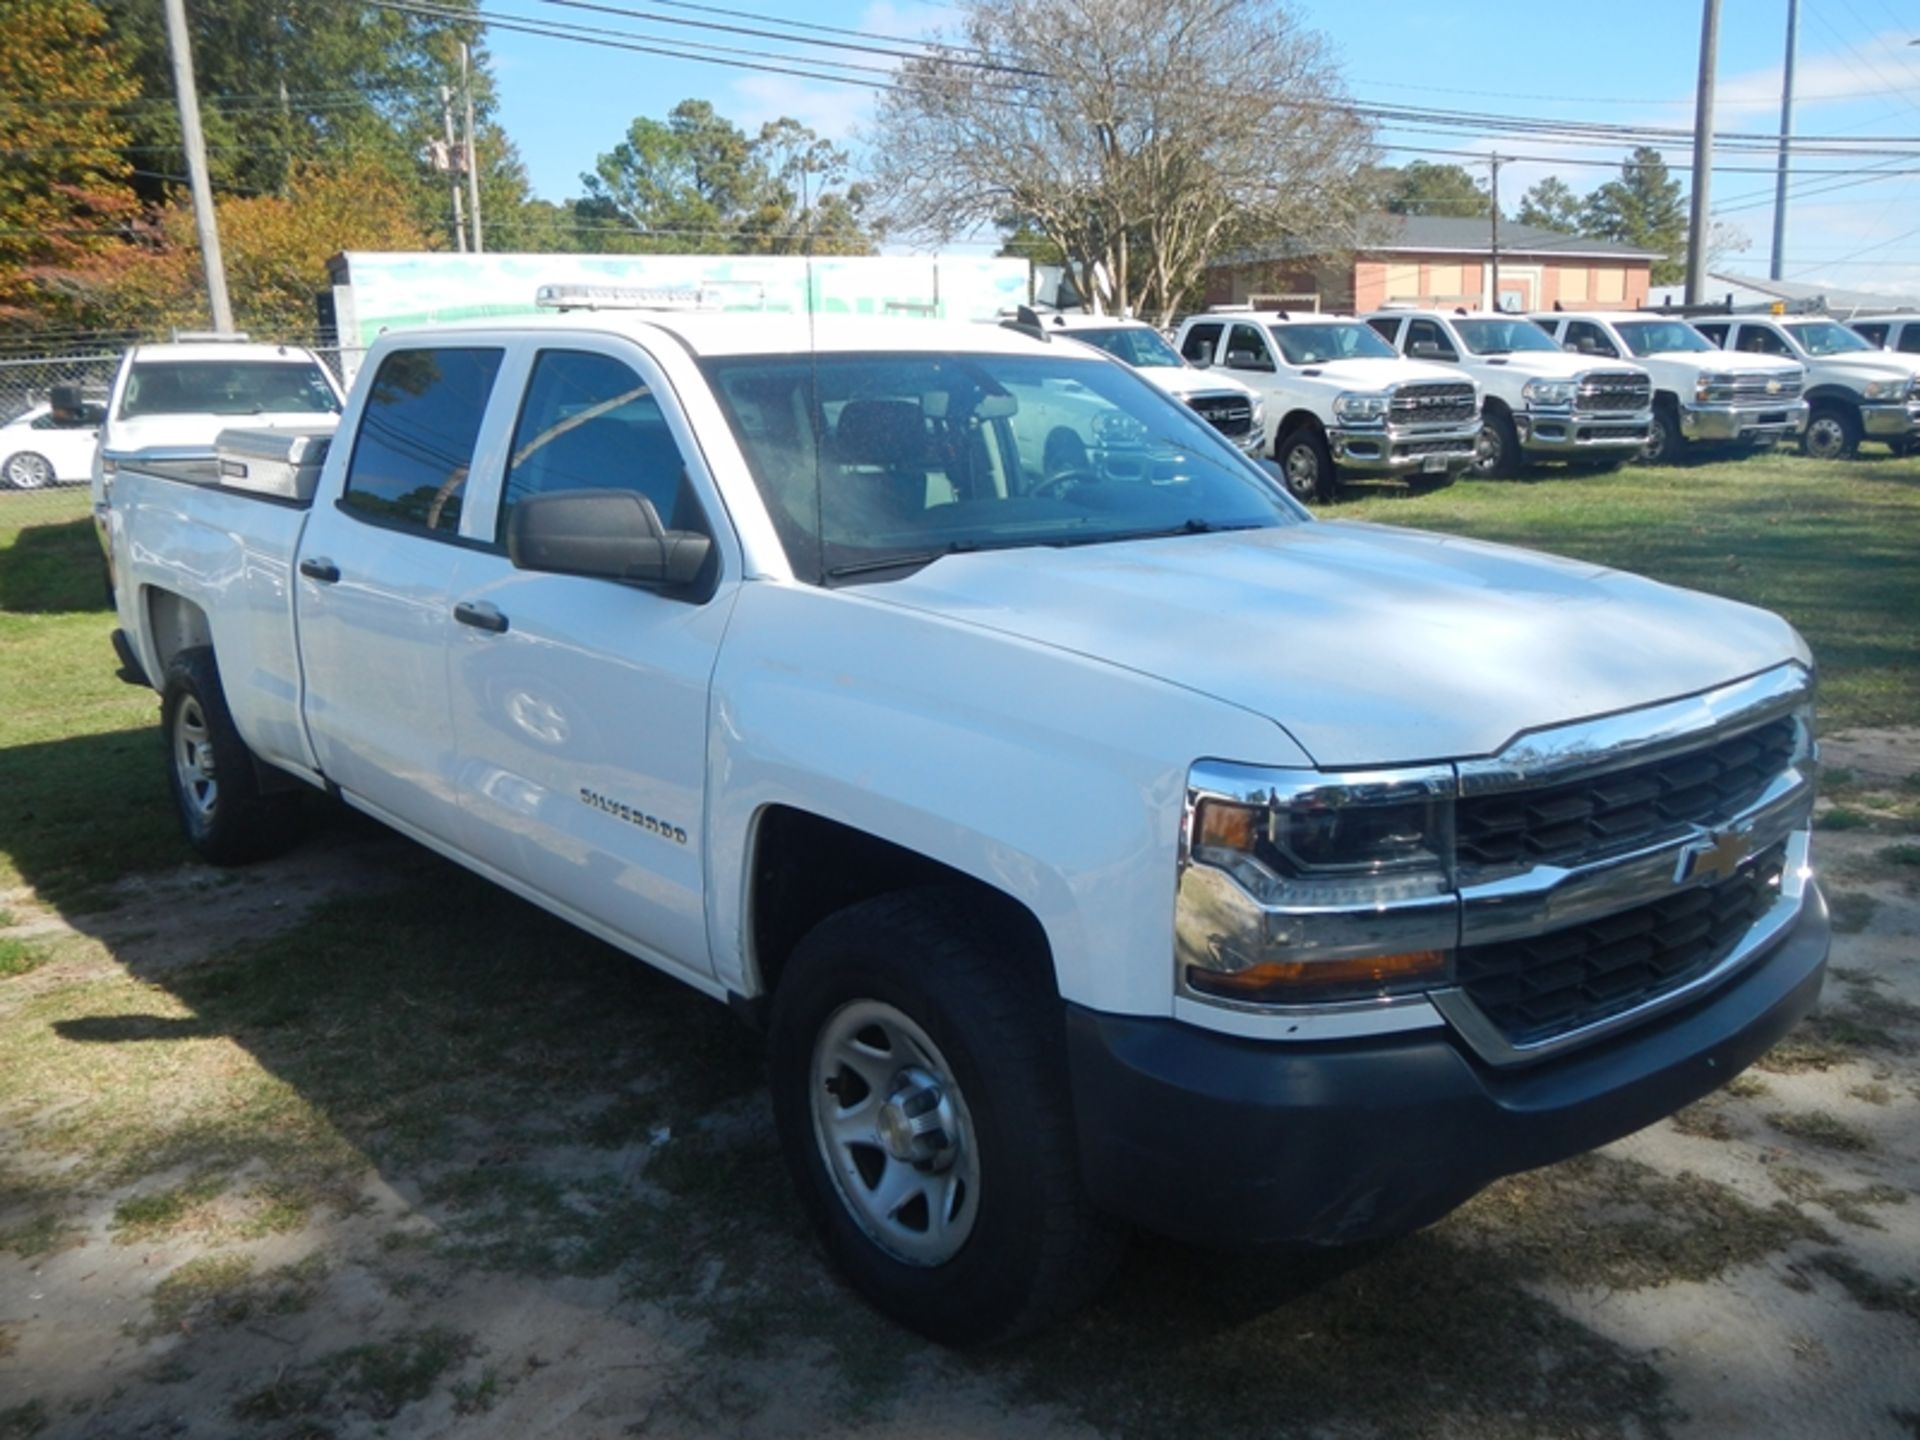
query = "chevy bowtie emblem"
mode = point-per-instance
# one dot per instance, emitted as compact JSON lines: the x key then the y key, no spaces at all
{"x":1773,"y":387}
{"x":1714,"y":855}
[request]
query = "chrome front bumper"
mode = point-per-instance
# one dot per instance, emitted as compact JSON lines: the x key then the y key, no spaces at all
{"x":1884,"y":421}
{"x":1743,"y":422}
{"x":1561,"y":433}
{"x":1433,"y":450}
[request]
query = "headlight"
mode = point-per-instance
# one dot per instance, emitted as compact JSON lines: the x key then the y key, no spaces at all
{"x":1886,"y":389}
{"x":1259,"y":414}
{"x":1362,"y":409}
{"x":1714,"y":387}
{"x":1553,"y":393}
{"x":1355,"y":873}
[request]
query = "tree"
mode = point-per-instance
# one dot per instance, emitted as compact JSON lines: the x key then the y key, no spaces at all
{"x":63,"y":182}
{"x":1421,"y":188}
{"x":276,"y":252}
{"x":696,"y":184}
{"x":1142,"y":137}
{"x":1551,"y":206}
{"x":1643,"y":209}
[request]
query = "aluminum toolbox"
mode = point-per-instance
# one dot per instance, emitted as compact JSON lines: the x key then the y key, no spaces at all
{"x":282,"y":463}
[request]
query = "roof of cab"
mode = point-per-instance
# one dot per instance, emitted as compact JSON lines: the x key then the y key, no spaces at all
{"x":194,"y":351}
{"x":715,"y":333}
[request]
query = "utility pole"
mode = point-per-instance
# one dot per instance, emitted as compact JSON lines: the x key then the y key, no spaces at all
{"x":1786,"y":130}
{"x":453,"y":169}
{"x":1702,"y":151}
{"x":473,"y":155}
{"x":195,"y":145}
{"x":1496,"y":232}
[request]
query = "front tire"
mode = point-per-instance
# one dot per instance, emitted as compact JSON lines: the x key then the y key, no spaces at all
{"x":1306,"y":465}
{"x":923,"y":1108}
{"x":27,"y":470}
{"x":1832,"y":433}
{"x":1663,"y":437}
{"x":1496,"y":455}
{"x":224,"y":814}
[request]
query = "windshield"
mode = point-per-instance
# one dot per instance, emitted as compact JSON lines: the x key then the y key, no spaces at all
{"x":1140,"y":347}
{"x":872,"y":465}
{"x":1317,"y":344}
{"x":1661,"y":337}
{"x":227,"y":387}
{"x":1823,"y":337}
{"x":1502,"y":337}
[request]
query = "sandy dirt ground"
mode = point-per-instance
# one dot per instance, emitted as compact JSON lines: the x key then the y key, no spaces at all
{"x":248,"y":1189}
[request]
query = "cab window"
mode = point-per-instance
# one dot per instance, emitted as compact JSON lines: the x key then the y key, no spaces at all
{"x":1200,"y":343}
{"x":1247,"y":349}
{"x":1427,"y":341}
{"x":1758,"y":340}
{"x":416,"y":437}
{"x":1874,"y":331}
{"x":1388,"y":326}
{"x":1716,"y":331}
{"x":1586,"y":338}
{"x":1909,"y":341}
{"x":590,"y":422}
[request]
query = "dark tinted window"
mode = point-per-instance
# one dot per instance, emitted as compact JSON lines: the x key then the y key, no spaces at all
{"x":1874,"y":331}
{"x":1425,"y":332}
{"x":1714,"y":331}
{"x":1247,"y":350}
{"x":590,"y":423}
{"x":417,"y":435}
{"x":1387,"y":325}
{"x":226,"y":387}
{"x":1909,"y":339}
{"x":1587,"y":338}
{"x":1756,"y":340}
{"x":1200,"y":343}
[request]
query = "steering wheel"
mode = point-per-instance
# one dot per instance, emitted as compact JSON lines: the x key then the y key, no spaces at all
{"x":1068,"y":477}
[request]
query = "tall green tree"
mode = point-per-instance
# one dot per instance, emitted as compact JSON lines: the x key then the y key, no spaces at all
{"x":63,"y":180}
{"x":1643,"y":208}
{"x":1551,"y":205}
{"x":1423,"y":188}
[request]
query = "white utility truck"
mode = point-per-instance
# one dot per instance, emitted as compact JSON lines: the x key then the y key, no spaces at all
{"x":1541,"y":403}
{"x":1855,"y":391}
{"x":1338,"y":401}
{"x":1101,"y":843}
{"x":1702,"y":395}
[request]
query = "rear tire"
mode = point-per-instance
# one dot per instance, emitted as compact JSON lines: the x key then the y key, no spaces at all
{"x":225,"y":816}
{"x":913,"y":1054}
{"x":1306,"y":465}
{"x":1832,"y":433}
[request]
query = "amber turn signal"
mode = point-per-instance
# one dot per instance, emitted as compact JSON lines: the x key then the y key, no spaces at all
{"x":1224,"y":827}
{"x":1277,"y":978}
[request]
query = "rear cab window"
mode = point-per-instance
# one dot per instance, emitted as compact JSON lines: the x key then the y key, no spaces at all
{"x":415,"y":444}
{"x":226,"y":387}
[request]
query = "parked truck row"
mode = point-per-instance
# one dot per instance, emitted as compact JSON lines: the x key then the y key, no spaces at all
{"x":1101,"y":840}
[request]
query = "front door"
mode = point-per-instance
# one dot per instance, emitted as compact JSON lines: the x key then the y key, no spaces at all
{"x":582,"y":721}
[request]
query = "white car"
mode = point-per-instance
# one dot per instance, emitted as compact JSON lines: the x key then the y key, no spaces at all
{"x":1234,"y":409}
{"x":1855,"y":391}
{"x":38,"y":449}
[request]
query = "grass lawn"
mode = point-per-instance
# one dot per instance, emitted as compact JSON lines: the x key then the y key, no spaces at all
{"x":1834,"y":547}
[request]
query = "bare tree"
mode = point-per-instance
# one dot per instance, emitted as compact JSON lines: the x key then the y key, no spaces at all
{"x":1143,"y":137}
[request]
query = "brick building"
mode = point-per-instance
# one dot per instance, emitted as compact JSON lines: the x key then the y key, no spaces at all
{"x":1443,"y":260}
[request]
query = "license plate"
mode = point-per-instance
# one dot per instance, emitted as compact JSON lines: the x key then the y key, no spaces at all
{"x":1433,"y":464}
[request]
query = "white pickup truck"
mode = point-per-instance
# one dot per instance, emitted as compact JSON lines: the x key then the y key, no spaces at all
{"x":1701,"y":394}
{"x":1541,"y":403}
{"x":1102,"y":843}
{"x":1855,"y":390}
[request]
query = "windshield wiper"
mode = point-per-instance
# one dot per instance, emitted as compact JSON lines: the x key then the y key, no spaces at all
{"x":911,"y":560}
{"x":1193,"y":525}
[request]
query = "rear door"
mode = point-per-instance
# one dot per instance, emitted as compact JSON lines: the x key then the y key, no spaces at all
{"x":581,"y":718}
{"x":374,"y":580}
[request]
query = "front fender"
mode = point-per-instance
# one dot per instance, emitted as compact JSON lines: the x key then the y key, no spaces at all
{"x":1053,"y":777}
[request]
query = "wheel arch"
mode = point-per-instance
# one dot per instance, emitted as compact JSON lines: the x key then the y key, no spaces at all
{"x":172,"y":623}
{"x":1837,"y":395}
{"x":1294,"y":419}
{"x":803,"y":867}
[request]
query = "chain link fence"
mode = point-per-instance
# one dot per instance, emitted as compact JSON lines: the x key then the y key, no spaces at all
{"x":46,"y":458}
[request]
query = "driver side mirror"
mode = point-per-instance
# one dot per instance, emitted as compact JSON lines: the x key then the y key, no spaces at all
{"x":1429,"y":350}
{"x":1248,"y":360}
{"x":606,"y":535}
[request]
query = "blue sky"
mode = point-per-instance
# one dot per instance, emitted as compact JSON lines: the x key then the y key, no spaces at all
{"x":1629,"y":61}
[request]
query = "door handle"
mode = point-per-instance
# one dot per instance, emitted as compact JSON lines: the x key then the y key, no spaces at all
{"x":320,"y":568}
{"x":480,"y":615}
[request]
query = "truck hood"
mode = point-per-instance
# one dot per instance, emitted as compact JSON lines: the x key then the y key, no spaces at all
{"x":1378,"y":374}
{"x":1187,"y":381}
{"x":197,"y":432}
{"x":1724,"y":362}
{"x":1549,"y":364}
{"x":1368,"y":645}
{"x":1860,"y":368}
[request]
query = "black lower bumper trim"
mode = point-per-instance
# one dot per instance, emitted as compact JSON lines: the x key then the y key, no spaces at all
{"x":1223,"y":1140}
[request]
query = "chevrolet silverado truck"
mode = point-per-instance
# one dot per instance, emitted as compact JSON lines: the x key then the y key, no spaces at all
{"x":1702,"y":396}
{"x":1541,"y":403}
{"x":1855,"y":391}
{"x":1338,"y":402}
{"x":1234,"y":409}
{"x":1099,"y":845}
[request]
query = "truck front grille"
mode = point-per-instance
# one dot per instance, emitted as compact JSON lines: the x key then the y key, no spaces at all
{"x":1440,"y":402}
{"x":1229,"y":414}
{"x":1581,"y":820}
{"x":1753,"y":388}
{"x":1614,"y":390}
{"x":1545,"y":985}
